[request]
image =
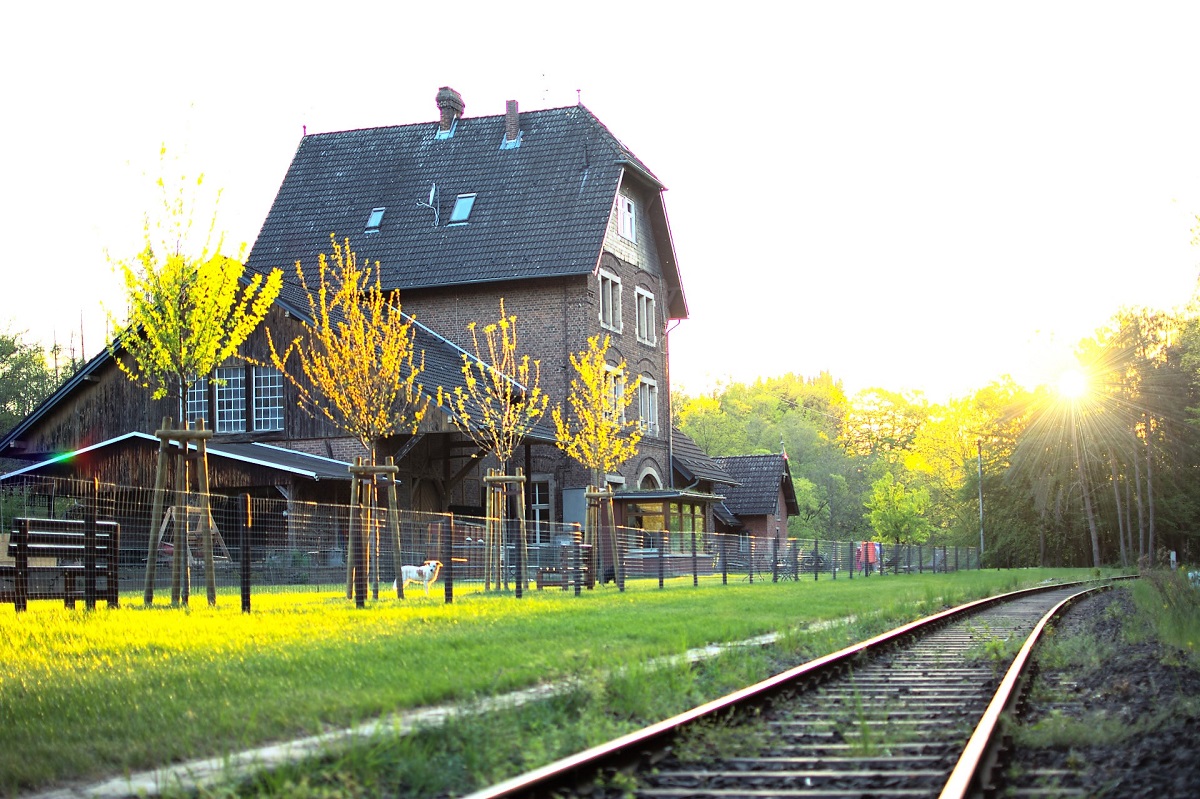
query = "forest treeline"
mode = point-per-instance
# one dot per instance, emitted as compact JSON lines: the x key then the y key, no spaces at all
{"x":1105,"y":476}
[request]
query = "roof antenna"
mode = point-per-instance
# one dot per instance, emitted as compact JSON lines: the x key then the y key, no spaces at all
{"x":430,"y":203}
{"x":579,"y":97}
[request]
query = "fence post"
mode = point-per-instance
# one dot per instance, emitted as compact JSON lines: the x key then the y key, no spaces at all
{"x":956,"y":557}
{"x":519,"y":582}
{"x":21,"y":589}
{"x":247,"y":523}
{"x":724,"y":559}
{"x":750,"y":568}
{"x":849,"y":557}
{"x":447,"y":563}
{"x":577,"y":559}
{"x":695,"y":570}
{"x":774,"y":560}
{"x":816,"y":558}
{"x":618,"y":556}
{"x":89,"y":547}
{"x":662,"y":554}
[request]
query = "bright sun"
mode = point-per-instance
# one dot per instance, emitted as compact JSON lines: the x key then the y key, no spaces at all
{"x":1072,"y":384}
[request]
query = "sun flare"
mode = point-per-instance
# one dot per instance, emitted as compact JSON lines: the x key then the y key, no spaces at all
{"x":1072,"y":384}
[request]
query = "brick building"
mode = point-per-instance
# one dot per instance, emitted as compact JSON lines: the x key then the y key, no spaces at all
{"x":546,"y":210}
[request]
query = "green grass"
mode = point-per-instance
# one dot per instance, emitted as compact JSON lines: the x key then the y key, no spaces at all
{"x":1167,"y":609}
{"x":1173,"y":604}
{"x":93,"y":694}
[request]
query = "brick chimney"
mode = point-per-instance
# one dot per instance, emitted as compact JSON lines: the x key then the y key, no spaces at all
{"x":450,"y":104}
{"x":512,"y":121}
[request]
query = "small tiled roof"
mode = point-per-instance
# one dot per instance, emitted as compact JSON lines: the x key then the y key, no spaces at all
{"x":759,"y":479}
{"x":694,"y":463}
{"x":725,"y":516}
{"x":541,"y":209}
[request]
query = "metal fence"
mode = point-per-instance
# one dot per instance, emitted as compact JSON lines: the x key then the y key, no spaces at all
{"x":269,"y":544}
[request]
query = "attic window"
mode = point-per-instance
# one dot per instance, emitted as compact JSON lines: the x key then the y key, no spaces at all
{"x":375,"y":219}
{"x":462,"y":208}
{"x":626,"y":217}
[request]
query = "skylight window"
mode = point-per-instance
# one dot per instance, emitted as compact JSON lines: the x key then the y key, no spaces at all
{"x":375,"y":220}
{"x":462,"y":208}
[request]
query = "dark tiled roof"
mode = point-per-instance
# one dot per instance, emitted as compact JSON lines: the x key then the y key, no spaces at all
{"x":541,"y":209}
{"x":694,"y":463}
{"x":759,"y":479}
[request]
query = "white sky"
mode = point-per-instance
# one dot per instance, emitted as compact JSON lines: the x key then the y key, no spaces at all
{"x":910,"y":195}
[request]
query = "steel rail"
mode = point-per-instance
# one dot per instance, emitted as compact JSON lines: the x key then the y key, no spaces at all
{"x":645,"y":745}
{"x":972,"y":774}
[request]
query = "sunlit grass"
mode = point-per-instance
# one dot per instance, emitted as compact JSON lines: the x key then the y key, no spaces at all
{"x":91,"y":694}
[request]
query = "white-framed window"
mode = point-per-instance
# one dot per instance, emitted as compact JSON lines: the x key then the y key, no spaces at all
{"x":375,"y":220}
{"x":647,"y":328}
{"x":616,"y":393}
{"x":268,"y":398}
{"x":610,"y":301}
{"x":539,"y":511}
{"x":626,"y":217}
{"x":197,"y":401}
{"x":648,"y":405}
{"x":230,"y":384}
{"x":463,"y":204}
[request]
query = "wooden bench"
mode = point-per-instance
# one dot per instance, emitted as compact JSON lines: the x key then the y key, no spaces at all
{"x":563,"y":575}
{"x":75,"y":551}
{"x":552,"y":576}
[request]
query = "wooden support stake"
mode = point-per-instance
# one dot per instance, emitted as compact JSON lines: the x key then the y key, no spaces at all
{"x":394,"y":522}
{"x":350,"y":546}
{"x":156,"y":511}
{"x":206,"y":519}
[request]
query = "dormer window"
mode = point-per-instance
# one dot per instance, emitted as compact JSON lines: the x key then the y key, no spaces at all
{"x":375,"y":220}
{"x":462,"y":208}
{"x":626,"y":217}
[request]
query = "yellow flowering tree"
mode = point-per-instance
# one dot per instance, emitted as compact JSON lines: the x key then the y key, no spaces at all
{"x":358,"y":366}
{"x":502,"y":398}
{"x":499,"y":404}
{"x":187,"y":311}
{"x":596,"y":431}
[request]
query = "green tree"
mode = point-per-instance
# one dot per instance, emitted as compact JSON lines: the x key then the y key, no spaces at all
{"x":896,"y":512}
{"x":25,"y":379}
{"x":189,"y":306}
{"x":883,"y":424}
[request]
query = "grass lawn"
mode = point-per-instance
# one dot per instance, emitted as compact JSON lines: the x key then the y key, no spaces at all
{"x":85,"y":695}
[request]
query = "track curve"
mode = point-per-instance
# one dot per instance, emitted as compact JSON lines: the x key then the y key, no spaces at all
{"x":912,"y":712}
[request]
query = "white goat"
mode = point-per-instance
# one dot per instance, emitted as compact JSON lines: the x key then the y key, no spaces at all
{"x":426,"y":573}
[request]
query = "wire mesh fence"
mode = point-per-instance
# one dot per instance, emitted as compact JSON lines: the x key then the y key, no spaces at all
{"x":262,"y":544}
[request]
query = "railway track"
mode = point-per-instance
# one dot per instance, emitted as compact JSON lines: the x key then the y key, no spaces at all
{"x":913,"y":712}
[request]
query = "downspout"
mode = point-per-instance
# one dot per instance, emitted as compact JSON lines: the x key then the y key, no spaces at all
{"x":671,"y":408}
